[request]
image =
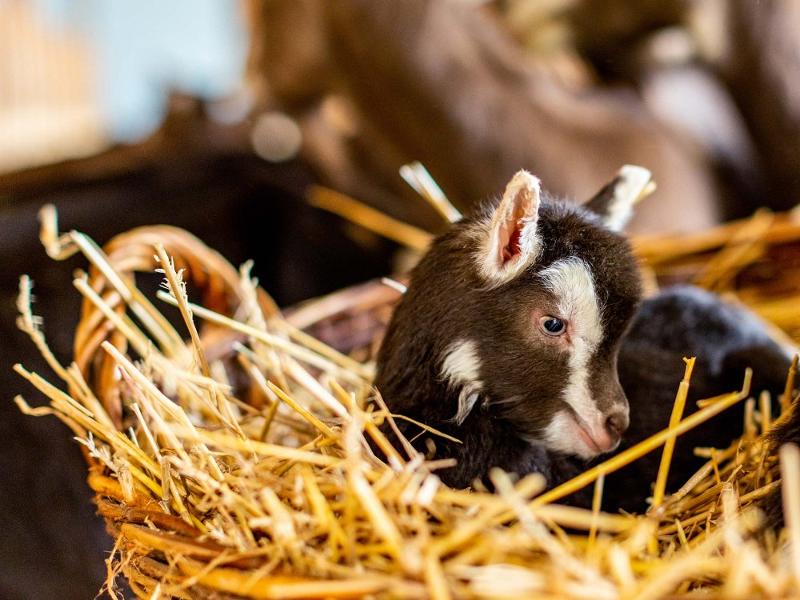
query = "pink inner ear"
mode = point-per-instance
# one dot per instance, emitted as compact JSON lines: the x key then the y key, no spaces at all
{"x":512,"y":249}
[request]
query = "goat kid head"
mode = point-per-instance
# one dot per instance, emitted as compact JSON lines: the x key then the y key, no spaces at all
{"x":517,"y":313}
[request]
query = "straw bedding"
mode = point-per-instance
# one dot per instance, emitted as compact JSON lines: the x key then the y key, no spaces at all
{"x":230,"y":454}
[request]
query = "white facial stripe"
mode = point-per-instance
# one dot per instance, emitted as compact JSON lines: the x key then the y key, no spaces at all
{"x":461,"y":367}
{"x":571,"y":282}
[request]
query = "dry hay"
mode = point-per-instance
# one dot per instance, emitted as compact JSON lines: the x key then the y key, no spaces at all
{"x":239,"y":463}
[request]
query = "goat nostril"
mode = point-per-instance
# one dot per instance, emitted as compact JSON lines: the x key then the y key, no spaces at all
{"x":617,"y":423}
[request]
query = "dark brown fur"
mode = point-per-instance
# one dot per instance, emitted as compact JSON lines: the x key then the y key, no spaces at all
{"x":448,"y":300}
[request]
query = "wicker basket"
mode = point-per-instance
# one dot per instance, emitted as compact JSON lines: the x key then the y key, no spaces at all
{"x":352,"y":321}
{"x":162,"y":552}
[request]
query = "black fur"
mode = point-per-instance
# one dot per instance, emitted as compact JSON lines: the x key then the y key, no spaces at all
{"x":683,"y":322}
{"x":448,"y":300}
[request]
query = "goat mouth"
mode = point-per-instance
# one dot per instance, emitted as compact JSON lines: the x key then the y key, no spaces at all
{"x":584,"y":433}
{"x":587,"y":438}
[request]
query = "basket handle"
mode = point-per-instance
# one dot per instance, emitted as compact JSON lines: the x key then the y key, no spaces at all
{"x":205,"y":270}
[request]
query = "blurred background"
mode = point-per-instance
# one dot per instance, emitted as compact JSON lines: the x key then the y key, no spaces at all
{"x":217,"y":116}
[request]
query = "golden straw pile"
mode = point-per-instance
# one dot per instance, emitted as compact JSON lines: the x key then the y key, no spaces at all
{"x":239,"y":463}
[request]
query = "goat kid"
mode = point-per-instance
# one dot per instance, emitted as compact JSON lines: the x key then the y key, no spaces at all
{"x":508,"y":335}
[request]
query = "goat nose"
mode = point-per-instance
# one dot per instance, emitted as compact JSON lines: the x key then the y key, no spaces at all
{"x":617,"y":423}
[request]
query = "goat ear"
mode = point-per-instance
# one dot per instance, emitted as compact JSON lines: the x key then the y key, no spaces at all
{"x":512,"y":240}
{"x":614,"y":203}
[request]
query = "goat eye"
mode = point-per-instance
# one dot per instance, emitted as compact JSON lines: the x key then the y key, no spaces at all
{"x":552,"y":325}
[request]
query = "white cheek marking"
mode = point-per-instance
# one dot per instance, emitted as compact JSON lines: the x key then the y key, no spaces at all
{"x":462,"y":367}
{"x":572,"y":284}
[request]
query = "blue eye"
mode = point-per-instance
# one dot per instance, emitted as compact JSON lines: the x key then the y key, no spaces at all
{"x":552,"y":325}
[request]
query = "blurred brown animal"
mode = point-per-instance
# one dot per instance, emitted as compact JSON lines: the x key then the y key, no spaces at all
{"x":442,"y":83}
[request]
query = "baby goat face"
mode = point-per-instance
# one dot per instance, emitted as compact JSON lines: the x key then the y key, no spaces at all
{"x":516,"y":315}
